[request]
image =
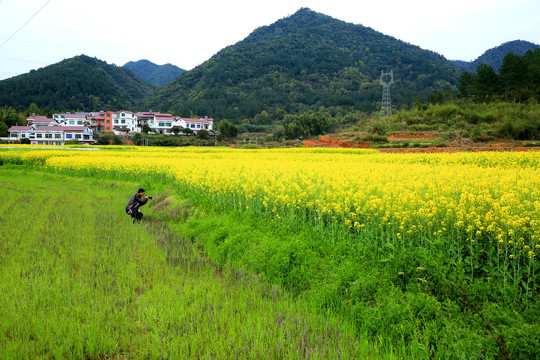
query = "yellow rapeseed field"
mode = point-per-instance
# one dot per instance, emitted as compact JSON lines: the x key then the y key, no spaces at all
{"x":489,"y":200}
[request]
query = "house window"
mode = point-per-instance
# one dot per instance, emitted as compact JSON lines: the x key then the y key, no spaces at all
{"x":108,"y":115}
{"x":57,"y":136}
{"x":198,"y":126}
{"x":14,"y":135}
{"x":79,"y":122}
{"x":108,"y":121}
{"x":48,"y":136}
{"x":123,"y":114}
{"x":71,"y":122}
{"x":69,"y":136}
{"x":116,"y":121}
{"x":23,"y":135}
{"x":77,"y":136}
{"x":123,"y":121}
{"x":86,"y":137}
{"x":39,"y":136}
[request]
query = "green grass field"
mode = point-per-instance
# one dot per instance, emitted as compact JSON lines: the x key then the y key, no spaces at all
{"x":78,"y":280}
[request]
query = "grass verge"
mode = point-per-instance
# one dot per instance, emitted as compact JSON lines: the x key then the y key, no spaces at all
{"x":79,"y":280}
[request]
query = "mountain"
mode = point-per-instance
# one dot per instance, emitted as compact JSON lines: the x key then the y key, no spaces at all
{"x":79,"y":83}
{"x":157,"y":75}
{"x":494,"y":57}
{"x":308,"y":61}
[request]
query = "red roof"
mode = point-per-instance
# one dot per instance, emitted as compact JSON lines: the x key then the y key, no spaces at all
{"x":156,"y":114}
{"x":68,"y":115}
{"x":19,"y":128}
{"x":164,"y":117}
{"x":41,"y":119}
{"x":62,"y":128}
{"x":202,"y":121}
{"x":38,"y":118}
{"x":75,"y":116}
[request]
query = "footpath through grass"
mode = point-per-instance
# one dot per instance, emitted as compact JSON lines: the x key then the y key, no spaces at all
{"x":78,"y":280}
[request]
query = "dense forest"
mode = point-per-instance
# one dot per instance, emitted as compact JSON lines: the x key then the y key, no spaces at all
{"x":518,"y":79}
{"x":494,"y":57}
{"x":306,"y":62}
{"x":157,"y":75}
{"x":80,"y":83}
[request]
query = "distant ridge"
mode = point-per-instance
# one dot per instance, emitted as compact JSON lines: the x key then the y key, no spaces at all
{"x":494,"y":57}
{"x":79,"y":83}
{"x":157,"y":75}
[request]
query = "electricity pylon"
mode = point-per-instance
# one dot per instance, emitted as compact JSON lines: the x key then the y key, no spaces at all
{"x":386,"y":104}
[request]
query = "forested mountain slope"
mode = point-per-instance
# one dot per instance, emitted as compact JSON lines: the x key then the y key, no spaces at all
{"x":157,"y":75}
{"x":79,"y":83}
{"x":494,"y":57}
{"x":307,"y":61}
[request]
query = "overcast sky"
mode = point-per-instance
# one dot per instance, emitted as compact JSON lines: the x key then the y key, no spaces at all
{"x":187,"y":33}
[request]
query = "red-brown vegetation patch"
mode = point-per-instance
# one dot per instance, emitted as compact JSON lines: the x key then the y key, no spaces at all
{"x":411,"y":136}
{"x":329,"y":141}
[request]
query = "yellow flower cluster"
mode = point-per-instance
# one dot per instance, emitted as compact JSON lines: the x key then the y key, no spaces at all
{"x":488,"y":198}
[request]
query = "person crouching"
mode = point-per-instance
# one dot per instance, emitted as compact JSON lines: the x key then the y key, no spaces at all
{"x":133,"y":205}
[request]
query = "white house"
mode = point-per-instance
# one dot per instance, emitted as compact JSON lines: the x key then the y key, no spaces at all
{"x":52,"y":135}
{"x":68,"y":119}
{"x":58,"y":135}
{"x":194,"y":124}
{"x":125,"y":121}
{"x":158,"y":122}
{"x":37,"y":121}
{"x":21,"y":132}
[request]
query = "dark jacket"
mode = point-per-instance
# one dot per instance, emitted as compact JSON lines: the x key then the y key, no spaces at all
{"x":135,"y":202}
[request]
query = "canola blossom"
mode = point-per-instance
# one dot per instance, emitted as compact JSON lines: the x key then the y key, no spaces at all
{"x":480,"y":204}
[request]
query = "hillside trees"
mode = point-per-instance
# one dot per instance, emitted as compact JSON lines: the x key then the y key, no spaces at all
{"x":518,"y":79}
{"x":303,"y":63}
{"x":306,"y":125}
{"x":80,"y":83}
{"x":227,"y":129}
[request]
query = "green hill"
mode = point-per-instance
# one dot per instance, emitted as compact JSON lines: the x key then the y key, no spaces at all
{"x":157,"y":75}
{"x":494,"y":57}
{"x":307,"y":61}
{"x":80,"y":83}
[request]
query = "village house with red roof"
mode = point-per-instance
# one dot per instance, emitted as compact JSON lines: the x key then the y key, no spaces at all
{"x":52,"y":135}
{"x":63,"y":127}
{"x":194,"y":124}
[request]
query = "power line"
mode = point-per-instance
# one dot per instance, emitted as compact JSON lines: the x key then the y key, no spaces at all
{"x":23,"y":25}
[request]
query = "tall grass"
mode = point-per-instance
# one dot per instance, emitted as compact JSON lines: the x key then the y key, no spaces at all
{"x":80,"y":281}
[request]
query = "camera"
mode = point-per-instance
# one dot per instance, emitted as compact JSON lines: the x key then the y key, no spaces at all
{"x":150,"y":197}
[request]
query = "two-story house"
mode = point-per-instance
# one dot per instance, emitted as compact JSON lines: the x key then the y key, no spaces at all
{"x":58,"y":135}
{"x":37,"y":121}
{"x":52,"y":135}
{"x":159,"y":123}
{"x":125,"y":121}
{"x":21,"y":132}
